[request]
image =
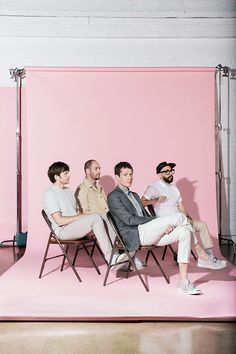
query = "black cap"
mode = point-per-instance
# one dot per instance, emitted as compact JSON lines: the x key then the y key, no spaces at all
{"x":164,"y":164}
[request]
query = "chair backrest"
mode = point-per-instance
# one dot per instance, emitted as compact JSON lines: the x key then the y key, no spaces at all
{"x":151,"y":210}
{"x":48,"y":222}
{"x":116,"y":230}
{"x":110,"y":218}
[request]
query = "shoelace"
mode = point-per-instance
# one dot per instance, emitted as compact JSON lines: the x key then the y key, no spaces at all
{"x":215,"y":260}
{"x":190,"y":285}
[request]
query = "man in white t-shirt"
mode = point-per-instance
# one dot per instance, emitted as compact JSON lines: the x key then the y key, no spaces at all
{"x":166,"y":199}
{"x":68,"y":223}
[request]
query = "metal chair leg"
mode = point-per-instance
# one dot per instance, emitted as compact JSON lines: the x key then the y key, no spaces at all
{"x":163,"y":273}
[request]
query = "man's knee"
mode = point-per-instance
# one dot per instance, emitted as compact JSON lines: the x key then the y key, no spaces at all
{"x":199,"y":225}
{"x":179,"y":219}
{"x":185,"y":234}
{"x":97,"y":218}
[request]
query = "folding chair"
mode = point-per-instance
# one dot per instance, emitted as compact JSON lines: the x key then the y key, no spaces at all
{"x":82,"y":244}
{"x":152,"y":212}
{"x":120,"y":246}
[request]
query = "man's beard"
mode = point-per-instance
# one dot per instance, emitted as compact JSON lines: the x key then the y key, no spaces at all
{"x":168,"y":179}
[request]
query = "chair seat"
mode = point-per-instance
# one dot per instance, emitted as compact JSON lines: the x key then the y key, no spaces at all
{"x":84,"y":243}
{"x":72,"y":242}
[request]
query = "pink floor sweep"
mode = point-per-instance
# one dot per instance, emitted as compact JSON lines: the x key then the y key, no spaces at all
{"x":60,"y":296}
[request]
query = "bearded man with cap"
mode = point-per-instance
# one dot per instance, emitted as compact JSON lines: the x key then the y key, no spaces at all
{"x":166,"y":199}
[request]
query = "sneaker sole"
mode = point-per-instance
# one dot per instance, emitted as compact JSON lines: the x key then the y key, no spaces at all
{"x":211,"y":267}
{"x":195,"y":292}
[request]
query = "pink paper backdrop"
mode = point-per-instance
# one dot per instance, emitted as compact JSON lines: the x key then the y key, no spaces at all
{"x":140,"y":115}
{"x":143,"y":116}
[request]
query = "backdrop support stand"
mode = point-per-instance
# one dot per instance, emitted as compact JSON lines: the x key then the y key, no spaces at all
{"x":17,"y":75}
{"x":230,"y":74}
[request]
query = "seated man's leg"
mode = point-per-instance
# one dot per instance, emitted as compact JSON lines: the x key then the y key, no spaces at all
{"x":110,"y":230}
{"x":83,"y":226}
{"x":206,"y":258}
{"x":182,"y":234}
{"x":101,"y":235}
{"x":201,"y":227}
{"x":152,"y":231}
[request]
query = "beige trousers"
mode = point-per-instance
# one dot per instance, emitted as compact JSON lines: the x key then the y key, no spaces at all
{"x":201,"y":228}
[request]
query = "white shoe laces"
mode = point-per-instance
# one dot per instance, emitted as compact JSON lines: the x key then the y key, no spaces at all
{"x":215,"y":260}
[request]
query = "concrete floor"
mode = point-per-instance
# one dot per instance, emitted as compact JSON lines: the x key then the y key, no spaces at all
{"x":113,"y":337}
{"x":117,"y":338}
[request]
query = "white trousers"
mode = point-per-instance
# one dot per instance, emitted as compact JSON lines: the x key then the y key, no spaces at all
{"x":82,"y":226}
{"x":153,"y":232}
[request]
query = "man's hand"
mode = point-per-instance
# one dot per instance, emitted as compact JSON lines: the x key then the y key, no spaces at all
{"x":161,"y":199}
{"x":169,"y":229}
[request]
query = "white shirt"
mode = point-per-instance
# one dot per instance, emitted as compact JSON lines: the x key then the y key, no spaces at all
{"x":59,"y":199}
{"x":172,"y":193}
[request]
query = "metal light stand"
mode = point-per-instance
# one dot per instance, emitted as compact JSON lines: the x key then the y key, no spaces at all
{"x":17,"y":75}
{"x":230,"y":74}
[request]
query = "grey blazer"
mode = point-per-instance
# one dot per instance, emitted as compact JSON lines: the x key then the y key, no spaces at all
{"x":126,"y":218}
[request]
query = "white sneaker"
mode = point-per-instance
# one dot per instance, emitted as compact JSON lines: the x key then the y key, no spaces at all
{"x":211,"y":263}
{"x":186,"y":287}
{"x":118,"y":261}
{"x":139,"y":264}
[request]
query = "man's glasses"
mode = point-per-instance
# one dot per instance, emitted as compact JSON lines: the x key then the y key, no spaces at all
{"x":168,"y":172}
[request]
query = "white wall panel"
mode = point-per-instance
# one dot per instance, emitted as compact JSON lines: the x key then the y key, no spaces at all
{"x":120,"y":8}
{"x":97,"y":27}
{"x":23,"y":52}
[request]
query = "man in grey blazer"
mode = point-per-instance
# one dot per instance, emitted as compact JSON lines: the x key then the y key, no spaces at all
{"x":137,"y":227}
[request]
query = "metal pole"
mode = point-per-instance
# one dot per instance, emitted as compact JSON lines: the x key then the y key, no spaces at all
{"x":219,"y":172}
{"x":17,"y":75}
{"x":18,"y":155}
{"x":223,"y":72}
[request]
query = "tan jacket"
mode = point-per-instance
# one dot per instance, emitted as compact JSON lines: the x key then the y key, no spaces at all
{"x":91,"y":199}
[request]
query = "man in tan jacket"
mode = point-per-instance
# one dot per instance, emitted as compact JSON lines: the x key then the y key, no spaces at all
{"x":92,"y":199}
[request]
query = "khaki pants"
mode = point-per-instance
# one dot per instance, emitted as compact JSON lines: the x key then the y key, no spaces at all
{"x":201,"y":228}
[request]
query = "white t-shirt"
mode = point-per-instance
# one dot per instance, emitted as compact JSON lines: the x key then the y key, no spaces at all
{"x":59,"y":199}
{"x":172,"y":193}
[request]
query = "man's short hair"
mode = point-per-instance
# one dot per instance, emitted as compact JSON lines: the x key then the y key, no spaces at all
{"x":88,"y":164}
{"x":120,"y":165}
{"x":56,"y":169}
